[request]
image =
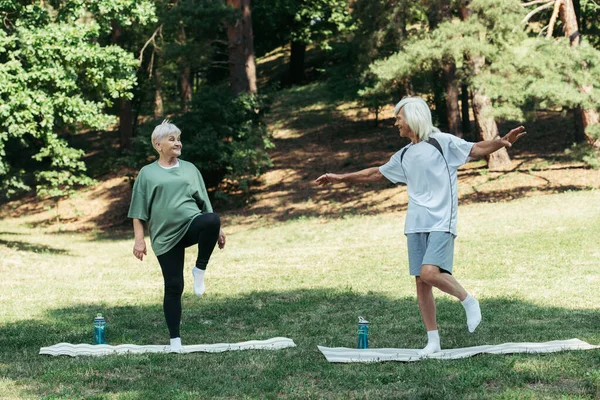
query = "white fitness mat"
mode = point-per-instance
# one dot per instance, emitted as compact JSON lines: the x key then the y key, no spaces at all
{"x":346,"y":355}
{"x":73,"y":350}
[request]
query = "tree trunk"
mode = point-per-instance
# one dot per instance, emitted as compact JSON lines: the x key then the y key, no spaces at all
{"x":158,"y":99}
{"x":579,"y":135}
{"x":185,"y":74}
{"x":125,"y":106}
{"x":125,"y":123}
{"x":298,"y":50}
{"x":439,"y":11}
{"x":242,"y":65}
{"x":439,"y":100}
{"x":464,"y":109}
{"x":452,"y":109}
{"x":483,"y":109}
{"x":568,"y":18}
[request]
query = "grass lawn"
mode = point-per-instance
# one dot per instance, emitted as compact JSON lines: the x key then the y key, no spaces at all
{"x":532,"y":263}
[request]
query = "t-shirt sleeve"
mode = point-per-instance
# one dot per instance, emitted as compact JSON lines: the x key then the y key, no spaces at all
{"x":458,"y":151}
{"x":393,"y":169}
{"x":139,"y":207}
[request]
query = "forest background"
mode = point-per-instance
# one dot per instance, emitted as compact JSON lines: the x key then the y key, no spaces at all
{"x":84,"y":83}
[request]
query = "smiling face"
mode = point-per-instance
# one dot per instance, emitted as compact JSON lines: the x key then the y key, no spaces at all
{"x":170,"y":145}
{"x":403,"y":127}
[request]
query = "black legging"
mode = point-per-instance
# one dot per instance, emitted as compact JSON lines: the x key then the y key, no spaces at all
{"x":204,"y":231}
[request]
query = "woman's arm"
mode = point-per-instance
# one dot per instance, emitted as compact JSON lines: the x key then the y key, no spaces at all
{"x":139,"y":247}
{"x":365,"y":175}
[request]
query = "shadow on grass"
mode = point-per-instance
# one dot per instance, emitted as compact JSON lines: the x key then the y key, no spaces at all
{"x":31,"y":247}
{"x":310,"y":318}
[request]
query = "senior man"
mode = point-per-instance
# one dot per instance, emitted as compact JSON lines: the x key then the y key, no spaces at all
{"x":428,"y":166}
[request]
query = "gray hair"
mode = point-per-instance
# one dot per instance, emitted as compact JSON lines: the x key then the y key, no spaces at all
{"x":163,"y":130}
{"x":418,"y":116}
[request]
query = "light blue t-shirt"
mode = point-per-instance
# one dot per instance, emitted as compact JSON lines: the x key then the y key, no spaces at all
{"x":431,"y":182}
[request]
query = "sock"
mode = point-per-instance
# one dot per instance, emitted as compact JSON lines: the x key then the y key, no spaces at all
{"x":473,"y":311}
{"x":176,"y":346}
{"x":198,"y":281}
{"x":433,"y":343}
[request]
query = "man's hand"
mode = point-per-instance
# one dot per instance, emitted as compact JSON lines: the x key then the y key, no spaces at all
{"x":139,"y":249}
{"x":513,"y":136}
{"x":222,"y":239}
{"x":327,"y":179}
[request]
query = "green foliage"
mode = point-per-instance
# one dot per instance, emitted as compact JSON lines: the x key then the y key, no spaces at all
{"x":520,"y":73}
{"x":587,"y":152}
{"x":311,"y":22}
{"x":382,"y":26}
{"x":223,"y":135}
{"x":188,"y":34}
{"x":55,"y":78}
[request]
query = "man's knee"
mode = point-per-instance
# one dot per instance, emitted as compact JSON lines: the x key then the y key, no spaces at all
{"x":429,"y":273}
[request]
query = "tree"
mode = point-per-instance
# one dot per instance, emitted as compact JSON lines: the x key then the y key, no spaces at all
{"x":482,"y":33}
{"x":509,"y":69}
{"x":589,"y":116}
{"x":55,"y":78}
{"x":299,"y":24}
{"x":180,"y":51}
{"x":242,"y":68}
{"x":482,"y":104}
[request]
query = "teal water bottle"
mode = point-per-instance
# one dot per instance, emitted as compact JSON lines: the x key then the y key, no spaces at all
{"x":363,"y":333}
{"x":99,"y":330}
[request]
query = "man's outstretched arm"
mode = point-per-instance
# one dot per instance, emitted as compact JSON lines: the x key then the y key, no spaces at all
{"x":487,"y":147}
{"x":365,"y":175}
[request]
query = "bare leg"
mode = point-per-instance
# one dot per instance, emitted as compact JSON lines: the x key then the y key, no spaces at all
{"x":426,"y":304}
{"x":428,"y":313}
{"x":432,"y":275}
{"x":445,"y":282}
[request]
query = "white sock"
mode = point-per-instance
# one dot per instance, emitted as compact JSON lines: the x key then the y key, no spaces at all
{"x":198,"y":281}
{"x":473,"y":311}
{"x":433,"y":343}
{"x":176,"y":346}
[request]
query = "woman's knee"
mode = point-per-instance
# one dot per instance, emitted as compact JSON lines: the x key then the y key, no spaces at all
{"x":213,"y":220}
{"x":174,"y":287}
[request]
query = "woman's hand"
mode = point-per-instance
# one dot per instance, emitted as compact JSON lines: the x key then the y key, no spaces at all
{"x":222,"y":239}
{"x":139,"y":249}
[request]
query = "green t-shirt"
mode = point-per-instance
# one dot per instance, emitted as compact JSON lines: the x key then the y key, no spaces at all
{"x":168,"y":200}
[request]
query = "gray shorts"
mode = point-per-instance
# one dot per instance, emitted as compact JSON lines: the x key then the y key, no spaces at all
{"x":435,"y":248}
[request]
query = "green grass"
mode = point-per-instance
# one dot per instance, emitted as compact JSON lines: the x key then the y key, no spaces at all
{"x":532,"y":263}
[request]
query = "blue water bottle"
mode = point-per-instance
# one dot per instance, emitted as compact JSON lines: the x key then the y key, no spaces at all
{"x":99,"y":330}
{"x":363,"y":333}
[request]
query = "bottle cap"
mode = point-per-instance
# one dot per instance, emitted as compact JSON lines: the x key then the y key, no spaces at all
{"x":98,"y":315}
{"x":362,"y":320}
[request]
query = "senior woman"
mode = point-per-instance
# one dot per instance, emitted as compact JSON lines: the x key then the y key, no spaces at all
{"x":428,"y":166}
{"x":170,"y":196}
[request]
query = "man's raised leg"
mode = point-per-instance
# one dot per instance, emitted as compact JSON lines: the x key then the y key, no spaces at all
{"x":432,"y":275}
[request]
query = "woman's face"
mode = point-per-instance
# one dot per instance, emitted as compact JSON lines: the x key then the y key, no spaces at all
{"x":402,"y":125}
{"x":170,"y":145}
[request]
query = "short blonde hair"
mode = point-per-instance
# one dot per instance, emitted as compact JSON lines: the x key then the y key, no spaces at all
{"x":418,"y":116}
{"x":163,"y":130}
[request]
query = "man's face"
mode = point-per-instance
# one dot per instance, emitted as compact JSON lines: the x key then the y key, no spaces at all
{"x":403,"y":127}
